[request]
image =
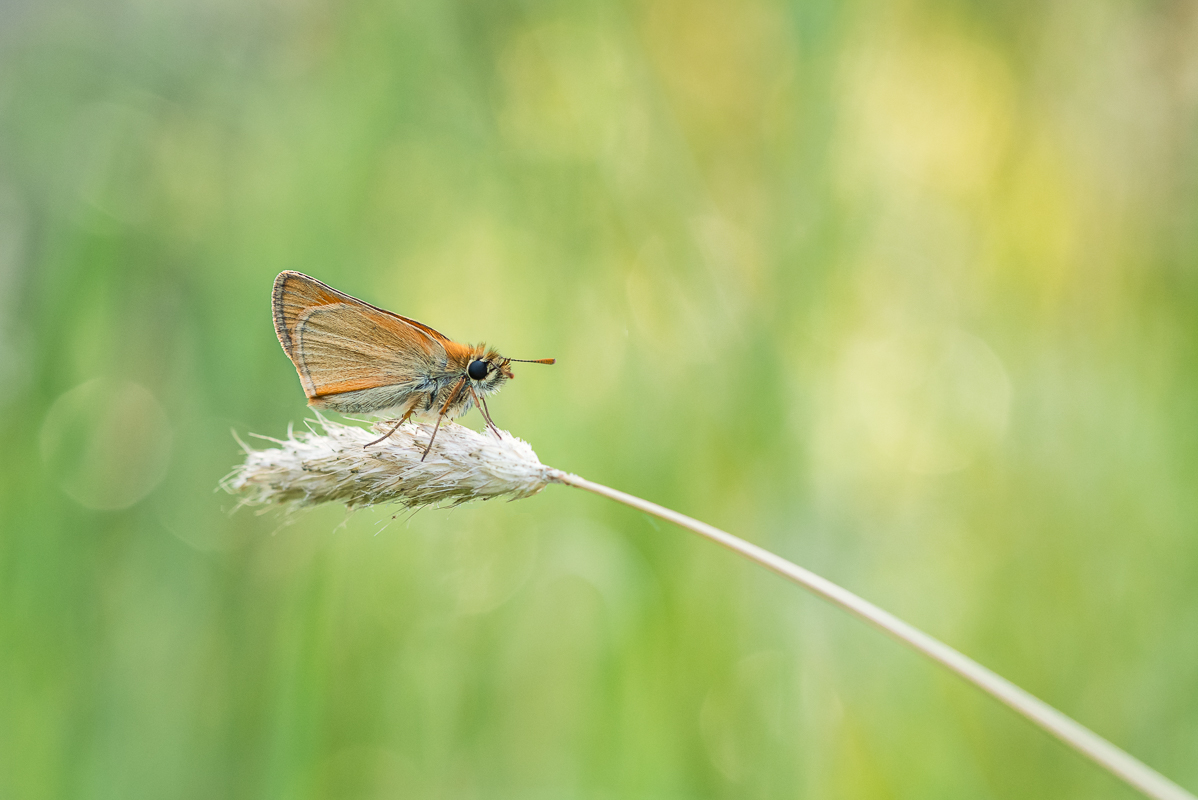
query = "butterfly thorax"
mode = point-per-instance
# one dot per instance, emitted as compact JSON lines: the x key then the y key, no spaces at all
{"x":448,"y":387}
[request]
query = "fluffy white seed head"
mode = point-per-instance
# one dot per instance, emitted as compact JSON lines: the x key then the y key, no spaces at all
{"x":331,"y":464}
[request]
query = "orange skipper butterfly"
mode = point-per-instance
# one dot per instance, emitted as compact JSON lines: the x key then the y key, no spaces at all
{"x":353,"y":357}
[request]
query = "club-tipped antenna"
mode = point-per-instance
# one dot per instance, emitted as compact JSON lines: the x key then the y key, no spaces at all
{"x":534,"y":360}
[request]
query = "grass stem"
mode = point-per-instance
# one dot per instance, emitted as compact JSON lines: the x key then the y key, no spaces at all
{"x":1111,"y":758}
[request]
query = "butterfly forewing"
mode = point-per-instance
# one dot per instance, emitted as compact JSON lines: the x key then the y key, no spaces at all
{"x":341,"y":345}
{"x":295,"y":293}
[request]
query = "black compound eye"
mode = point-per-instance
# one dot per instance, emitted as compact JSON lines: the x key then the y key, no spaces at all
{"x":477,"y":370}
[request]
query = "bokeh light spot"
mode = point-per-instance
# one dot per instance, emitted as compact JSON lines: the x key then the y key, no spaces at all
{"x":106,"y":443}
{"x":925,"y":401}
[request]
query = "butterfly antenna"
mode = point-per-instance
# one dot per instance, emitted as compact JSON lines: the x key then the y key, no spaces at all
{"x":534,"y":360}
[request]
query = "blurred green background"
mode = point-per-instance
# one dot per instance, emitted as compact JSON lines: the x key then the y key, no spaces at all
{"x":907,"y":292}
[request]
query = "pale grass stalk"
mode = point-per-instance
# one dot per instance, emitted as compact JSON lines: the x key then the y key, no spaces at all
{"x":333,"y":466}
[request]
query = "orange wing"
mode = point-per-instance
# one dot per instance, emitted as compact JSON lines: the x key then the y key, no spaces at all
{"x":340,"y":344}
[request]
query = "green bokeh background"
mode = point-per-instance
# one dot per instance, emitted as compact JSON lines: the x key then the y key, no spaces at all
{"x":907,"y":292}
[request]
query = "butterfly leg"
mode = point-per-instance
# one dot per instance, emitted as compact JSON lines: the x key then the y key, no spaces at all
{"x":448,"y":402}
{"x":394,"y":428}
{"x":433,"y":438}
{"x":387,"y":435}
{"x":481,"y":402}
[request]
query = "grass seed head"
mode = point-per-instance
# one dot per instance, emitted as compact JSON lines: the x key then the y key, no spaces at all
{"x":329,"y":464}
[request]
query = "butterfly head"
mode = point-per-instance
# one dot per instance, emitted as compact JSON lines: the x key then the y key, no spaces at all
{"x":488,"y":370}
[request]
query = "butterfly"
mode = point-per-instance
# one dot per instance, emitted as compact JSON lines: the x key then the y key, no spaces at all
{"x":356,"y":358}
